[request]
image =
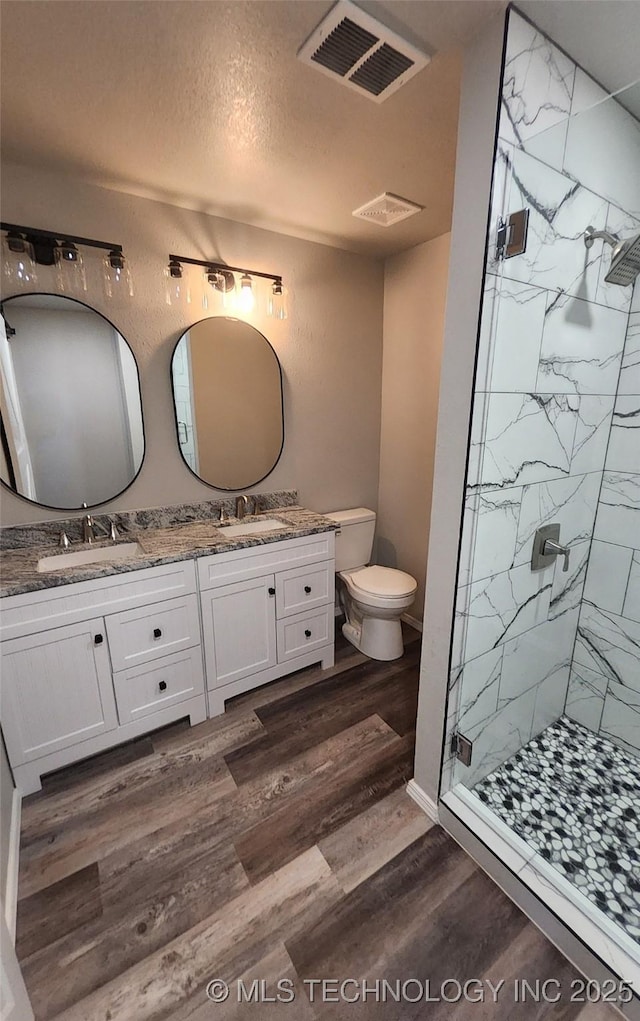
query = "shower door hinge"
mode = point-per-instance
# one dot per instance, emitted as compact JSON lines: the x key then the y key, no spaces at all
{"x":462,"y":748}
{"x":511,"y":238}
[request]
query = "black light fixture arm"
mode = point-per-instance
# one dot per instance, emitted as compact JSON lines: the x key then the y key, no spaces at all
{"x":50,"y":235}
{"x":222,"y":268}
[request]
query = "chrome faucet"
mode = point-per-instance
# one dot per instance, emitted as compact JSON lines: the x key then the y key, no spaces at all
{"x":242,"y":505}
{"x":88,"y":532}
{"x":89,"y":526}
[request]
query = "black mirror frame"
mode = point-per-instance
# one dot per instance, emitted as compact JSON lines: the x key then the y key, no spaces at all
{"x":248,"y":485}
{"x":72,"y":510}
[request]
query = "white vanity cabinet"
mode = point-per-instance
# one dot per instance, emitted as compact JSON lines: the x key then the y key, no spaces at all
{"x":92,"y":664}
{"x":266,"y":611}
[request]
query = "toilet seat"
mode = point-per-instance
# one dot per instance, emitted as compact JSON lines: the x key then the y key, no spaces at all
{"x":384,"y":584}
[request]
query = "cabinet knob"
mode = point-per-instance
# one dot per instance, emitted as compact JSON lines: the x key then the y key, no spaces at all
{"x":162,"y":685}
{"x":307,"y":589}
{"x":98,"y":639}
{"x":271,"y":591}
{"x":157,"y":633}
{"x":307,"y":633}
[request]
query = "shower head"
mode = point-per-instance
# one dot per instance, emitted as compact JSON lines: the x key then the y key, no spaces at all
{"x":625,"y":262}
{"x":625,"y":259}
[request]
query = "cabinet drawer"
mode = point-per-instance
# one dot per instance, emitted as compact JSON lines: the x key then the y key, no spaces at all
{"x":150,"y":632}
{"x":224,"y":568}
{"x":144,"y":690}
{"x":82,"y":600}
{"x":304,"y":588}
{"x":297,"y":635}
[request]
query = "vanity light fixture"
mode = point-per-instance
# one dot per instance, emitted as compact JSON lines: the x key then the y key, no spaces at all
{"x":277,"y":306}
{"x":26,"y":247}
{"x":176,"y":287}
{"x":246,"y":299}
{"x":116,"y":275}
{"x":18,"y":262}
{"x":70,"y":273}
{"x":222,"y":278}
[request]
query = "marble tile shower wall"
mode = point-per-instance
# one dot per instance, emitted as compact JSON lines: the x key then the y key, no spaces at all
{"x":604,"y":688}
{"x":551,"y":347}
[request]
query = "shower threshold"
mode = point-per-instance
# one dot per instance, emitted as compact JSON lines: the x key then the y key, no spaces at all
{"x":563,"y":814}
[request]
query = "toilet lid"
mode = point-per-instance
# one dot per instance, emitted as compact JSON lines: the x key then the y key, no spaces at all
{"x":384,"y":581}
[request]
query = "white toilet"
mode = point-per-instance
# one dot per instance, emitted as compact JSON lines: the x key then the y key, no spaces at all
{"x":373,"y":598}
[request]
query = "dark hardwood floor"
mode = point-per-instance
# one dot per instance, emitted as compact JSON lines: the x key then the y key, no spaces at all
{"x":277,"y":844}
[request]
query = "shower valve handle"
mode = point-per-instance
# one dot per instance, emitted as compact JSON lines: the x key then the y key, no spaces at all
{"x":553,"y":548}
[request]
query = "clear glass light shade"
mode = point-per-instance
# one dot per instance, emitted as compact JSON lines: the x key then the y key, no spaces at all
{"x":116,"y":276}
{"x":212,"y":290}
{"x":246,"y":297}
{"x":277,"y":306}
{"x":176,"y":285}
{"x":18,"y":265}
{"x":70,"y":272}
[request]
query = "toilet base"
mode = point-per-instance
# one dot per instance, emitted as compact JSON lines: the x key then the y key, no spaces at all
{"x":376,"y":638}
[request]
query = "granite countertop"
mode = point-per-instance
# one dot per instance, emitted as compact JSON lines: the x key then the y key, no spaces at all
{"x":160,"y":545}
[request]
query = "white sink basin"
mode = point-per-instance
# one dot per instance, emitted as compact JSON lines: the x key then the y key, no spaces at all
{"x":251,"y":527}
{"x":90,"y":555}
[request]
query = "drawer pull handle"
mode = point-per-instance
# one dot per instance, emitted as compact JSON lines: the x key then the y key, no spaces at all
{"x":271,"y":591}
{"x":307,"y":589}
{"x":307,"y":634}
{"x":162,"y":685}
{"x":157,"y":633}
{"x":98,"y":640}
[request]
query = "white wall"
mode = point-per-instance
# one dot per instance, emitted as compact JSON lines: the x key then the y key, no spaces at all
{"x":415,"y":287}
{"x":330,"y":347}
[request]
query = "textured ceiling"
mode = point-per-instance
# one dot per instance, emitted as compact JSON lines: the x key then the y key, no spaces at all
{"x":204,"y":104}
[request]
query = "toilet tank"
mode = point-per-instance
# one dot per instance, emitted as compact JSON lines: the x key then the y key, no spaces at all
{"x":355,"y":541}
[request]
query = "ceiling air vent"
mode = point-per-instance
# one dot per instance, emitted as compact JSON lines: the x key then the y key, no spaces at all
{"x":387,"y":209}
{"x":355,"y":49}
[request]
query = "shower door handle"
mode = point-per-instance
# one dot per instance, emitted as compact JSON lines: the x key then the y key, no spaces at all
{"x":550,"y":548}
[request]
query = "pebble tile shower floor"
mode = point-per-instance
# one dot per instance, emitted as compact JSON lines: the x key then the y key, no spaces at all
{"x":575,"y":798}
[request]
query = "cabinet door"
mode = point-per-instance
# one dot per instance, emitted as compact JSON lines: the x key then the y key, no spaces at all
{"x":56,"y":690}
{"x":239,"y":623}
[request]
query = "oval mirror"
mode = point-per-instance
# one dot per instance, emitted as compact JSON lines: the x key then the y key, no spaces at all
{"x":72,"y":430}
{"x":227,"y":392}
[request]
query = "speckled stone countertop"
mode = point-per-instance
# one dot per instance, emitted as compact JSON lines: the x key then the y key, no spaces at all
{"x":165,"y":545}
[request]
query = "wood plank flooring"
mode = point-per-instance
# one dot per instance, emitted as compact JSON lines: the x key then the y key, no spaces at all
{"x":275,"y":843}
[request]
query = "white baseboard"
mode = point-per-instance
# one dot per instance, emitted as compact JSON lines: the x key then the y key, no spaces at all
{"x":413,"y":621}
{"x":13,"y":864}
{"x":423,"y":800}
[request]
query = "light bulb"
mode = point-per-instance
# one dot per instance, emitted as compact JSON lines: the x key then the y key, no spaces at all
{"x":277,"y":305}
{"x":246,"y":298}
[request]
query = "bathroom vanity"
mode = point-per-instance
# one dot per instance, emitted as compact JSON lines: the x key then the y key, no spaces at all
{"x":89,"y":664}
